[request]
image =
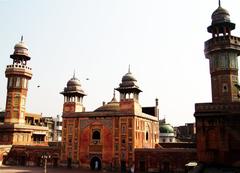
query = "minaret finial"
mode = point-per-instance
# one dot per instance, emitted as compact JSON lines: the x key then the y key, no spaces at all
{"x":219,"y":3}
{"x":22,"y":38}
{"x":129,"y":71}
{"x":74,"y":74}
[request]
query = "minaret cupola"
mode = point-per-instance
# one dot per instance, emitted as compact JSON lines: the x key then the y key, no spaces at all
{"x":221,"y":23}
{"x":129,"y":94}
{"x":128,"y":88}
{"x":73,"y":96}
{"x":20,"y":54}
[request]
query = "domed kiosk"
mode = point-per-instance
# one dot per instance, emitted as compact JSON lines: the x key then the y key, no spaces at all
{"x":221,"y":22}
{"x":73,"y":96}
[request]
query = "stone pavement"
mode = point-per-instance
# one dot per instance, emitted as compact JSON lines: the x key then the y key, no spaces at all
{"x":23,"y":169}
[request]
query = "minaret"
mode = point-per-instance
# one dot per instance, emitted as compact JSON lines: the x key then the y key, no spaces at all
{"x":73,"y":96}
{"x":217,"y":123}
{"x":18,"y":75}
{"x":222,"y":51}
{"x":129,"y":93}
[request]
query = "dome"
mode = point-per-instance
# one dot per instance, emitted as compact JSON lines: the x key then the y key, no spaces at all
{"x":128,"y":77}
{"x":109,"y":107}
{"x":220,"y":15}
{"x":112,"y":106}
{"x":20,"y":50}
{"x":129,"y":81}
{"x":166,"y":128}
{"x":20,"y":45}
{"x":73,"y":86}
{"x":73,"y":82}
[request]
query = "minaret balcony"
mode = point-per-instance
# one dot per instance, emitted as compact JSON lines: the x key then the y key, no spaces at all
{"x":222,"y":42}
{"x":18,"y":69}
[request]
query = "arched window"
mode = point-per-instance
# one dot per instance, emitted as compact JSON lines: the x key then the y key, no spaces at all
{"x":147,"y":129}
{"x":96,"y":135}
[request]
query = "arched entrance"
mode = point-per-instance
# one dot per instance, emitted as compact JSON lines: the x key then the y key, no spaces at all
{"x":4,"y":158}
{"x":142,"y":165}
{"x":95,"y":163}
{"x":123,"y":166}
{"x":166,"y":167}
{"x":22,"y":160}
{"x":69,"y":162}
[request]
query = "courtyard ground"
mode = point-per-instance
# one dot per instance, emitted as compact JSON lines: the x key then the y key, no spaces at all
{"x":23,"y":169}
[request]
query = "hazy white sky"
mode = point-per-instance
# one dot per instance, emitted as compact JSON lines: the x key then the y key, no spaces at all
{"x":162,"y":40}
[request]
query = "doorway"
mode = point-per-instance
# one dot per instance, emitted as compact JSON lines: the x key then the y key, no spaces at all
{"x":123,"y":166}
{"x":142,"y":166}
{"x":166,"y":167}
{"x":22,"y":160}
{"x":69,"y":163}
{"x":95,"y":163}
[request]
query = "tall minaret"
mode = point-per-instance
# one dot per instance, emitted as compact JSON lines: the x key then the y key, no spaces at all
{"x":18,"y":75}
{"x":217,"y":123}
{"x":73,"y":96}
{"x":222,"y":51}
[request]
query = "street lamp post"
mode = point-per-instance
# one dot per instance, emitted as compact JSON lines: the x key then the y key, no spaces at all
{"x":45,"y":157}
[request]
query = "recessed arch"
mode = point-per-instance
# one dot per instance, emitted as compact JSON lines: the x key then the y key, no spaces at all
{"x":95,"y":163}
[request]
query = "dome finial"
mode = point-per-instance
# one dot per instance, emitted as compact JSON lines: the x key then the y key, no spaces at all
{"x":219,"y":3}
{"x":114,"y":93}
{"x":129,"y":71}
{"x":22,"y":38}
{"x":114,"y":96}
{"x":74,"y":74}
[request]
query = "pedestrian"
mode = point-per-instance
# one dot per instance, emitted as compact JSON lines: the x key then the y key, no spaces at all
{"x":132,"y":169}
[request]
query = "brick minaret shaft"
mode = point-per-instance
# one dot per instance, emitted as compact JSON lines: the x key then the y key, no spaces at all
{"x":18,"y":74}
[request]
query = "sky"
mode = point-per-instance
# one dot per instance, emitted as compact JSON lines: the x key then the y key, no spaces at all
{"x":162,"y":41}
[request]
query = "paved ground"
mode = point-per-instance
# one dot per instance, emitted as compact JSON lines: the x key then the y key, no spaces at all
{"x":21,"y":169}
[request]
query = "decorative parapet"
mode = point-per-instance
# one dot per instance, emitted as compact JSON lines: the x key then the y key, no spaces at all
{"x":217,"y":107}
{"x":19,"y":66}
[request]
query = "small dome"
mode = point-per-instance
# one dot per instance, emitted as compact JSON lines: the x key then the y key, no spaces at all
{"x":73,"y":86}
{"x":128,"y":80}
{"x":20,"y":45}
{"x":166,"y":128}
{"x":220,"y":15}
{"x":73,"y":82}
{"x":21,"y":50}
{"x":109,"y":107}
{"x":128,"y":77}
{"x":112,"y":106}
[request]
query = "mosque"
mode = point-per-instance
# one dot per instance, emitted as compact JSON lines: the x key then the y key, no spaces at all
{"x":121,"y":134}
{"x":107,"y":136}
